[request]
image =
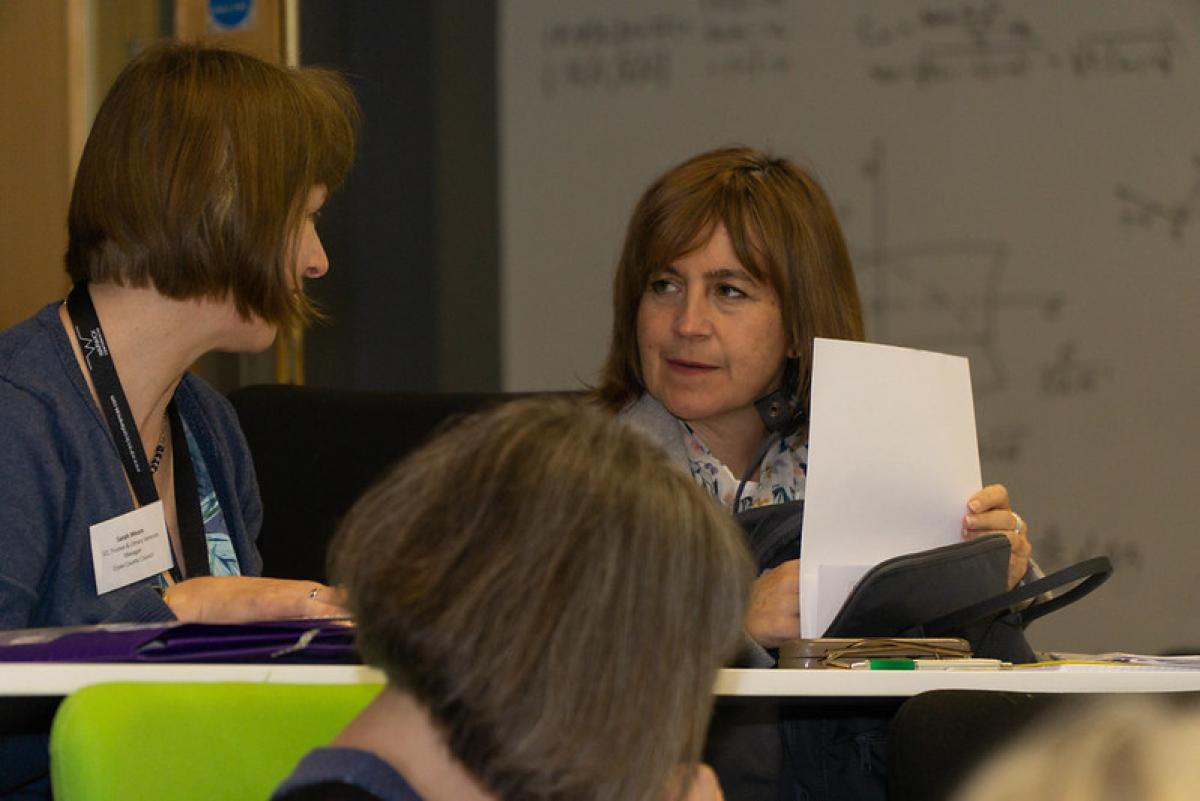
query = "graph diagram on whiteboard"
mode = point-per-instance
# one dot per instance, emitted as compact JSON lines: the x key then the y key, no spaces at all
{"x":939,"y":294}
{"x":1141,"y":210}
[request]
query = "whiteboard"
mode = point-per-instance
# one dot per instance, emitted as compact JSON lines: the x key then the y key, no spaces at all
{"x":1019,"y":183}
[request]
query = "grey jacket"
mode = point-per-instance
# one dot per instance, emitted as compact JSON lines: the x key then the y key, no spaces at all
{"x":652,"y":420}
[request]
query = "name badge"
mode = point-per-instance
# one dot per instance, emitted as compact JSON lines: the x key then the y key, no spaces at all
{"x":130,"y":547}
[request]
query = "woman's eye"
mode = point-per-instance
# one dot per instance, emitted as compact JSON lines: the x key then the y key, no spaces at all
{"x":661,"y":286}
{"x":730,"y":291}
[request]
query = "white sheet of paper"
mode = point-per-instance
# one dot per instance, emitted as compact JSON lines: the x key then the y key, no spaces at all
{"x":892,"y":459}
{"x":130,"y":547}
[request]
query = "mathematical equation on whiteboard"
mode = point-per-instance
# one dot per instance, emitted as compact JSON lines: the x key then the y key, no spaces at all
{"x":945,"y":43}
{"x":734,"y":39}
{"x":930,"y":45}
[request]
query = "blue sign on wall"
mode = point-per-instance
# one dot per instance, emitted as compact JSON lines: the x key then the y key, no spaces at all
{"x":229,"y":15}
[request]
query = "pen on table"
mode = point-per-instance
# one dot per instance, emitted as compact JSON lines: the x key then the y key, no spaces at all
{"x":969,"y":663}
{"x":884,"y":664}
{"x":964,"y":663}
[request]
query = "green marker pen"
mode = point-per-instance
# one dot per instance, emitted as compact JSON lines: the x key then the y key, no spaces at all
{"x":892,"y":664}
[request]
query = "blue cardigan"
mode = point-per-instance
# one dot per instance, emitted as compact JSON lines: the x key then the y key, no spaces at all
{"x":60,"y":473}
{"x":344,"y":773}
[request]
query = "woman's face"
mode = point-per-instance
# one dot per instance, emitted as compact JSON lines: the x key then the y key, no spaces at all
{"x":311,"y":261}
{"x":710,"y":337}
{"x":306,"y":259}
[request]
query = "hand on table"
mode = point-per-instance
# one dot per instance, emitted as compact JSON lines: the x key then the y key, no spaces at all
{"x":989,"y":512}
{"x":774,"y":613}
{"x":240,"y":599}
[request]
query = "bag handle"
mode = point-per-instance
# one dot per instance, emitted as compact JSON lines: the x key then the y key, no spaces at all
{"x":1090,"y":573}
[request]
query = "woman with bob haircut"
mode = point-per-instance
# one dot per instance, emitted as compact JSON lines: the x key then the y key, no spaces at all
{"x":129,"y":493}
{"x":550,"y":602}
{"x":733,"y":263}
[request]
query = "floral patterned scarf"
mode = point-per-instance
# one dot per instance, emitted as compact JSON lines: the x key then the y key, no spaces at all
{"x":781,"y":475}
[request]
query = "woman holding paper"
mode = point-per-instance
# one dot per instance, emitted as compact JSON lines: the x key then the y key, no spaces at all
{"x":128,"y":491}
{"x":733,"y":262}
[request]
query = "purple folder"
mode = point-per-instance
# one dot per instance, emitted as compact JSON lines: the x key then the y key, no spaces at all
{"x":310,"y":640}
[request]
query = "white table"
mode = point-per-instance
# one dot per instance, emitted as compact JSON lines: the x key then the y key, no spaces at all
{"x":30,"y":692}
{"x":59,"y":679}
{"x":62,"y":678}
{"x":831,"y":683}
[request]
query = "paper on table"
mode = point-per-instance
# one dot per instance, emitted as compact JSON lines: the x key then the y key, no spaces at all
{"x":892,"y":459}
{"x":1123,"y":659}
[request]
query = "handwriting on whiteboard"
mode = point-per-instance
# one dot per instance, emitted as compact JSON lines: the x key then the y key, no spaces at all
{"x":721,"y":39}
{"x":945,"y":43}
{"x":1141,"y":210}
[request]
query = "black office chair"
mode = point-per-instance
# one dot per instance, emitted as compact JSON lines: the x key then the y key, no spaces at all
{"x":937,"y":738}
{"x":317,"y":450}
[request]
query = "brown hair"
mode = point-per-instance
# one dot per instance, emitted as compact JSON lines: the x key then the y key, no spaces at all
{"x":555,"y":593}
{"x":784,"y":232}
{"x":195,"y":175}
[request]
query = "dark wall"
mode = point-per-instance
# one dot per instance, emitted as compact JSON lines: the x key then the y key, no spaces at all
{"x":411,"y":237}
{"x":468,"y":195}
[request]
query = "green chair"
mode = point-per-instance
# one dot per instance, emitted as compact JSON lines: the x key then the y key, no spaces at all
{"x":134,"y":741}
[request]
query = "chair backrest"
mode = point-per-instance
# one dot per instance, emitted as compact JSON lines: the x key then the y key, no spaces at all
{"x":133,"y":741}
{"x":937,"y":738}
{"x":317,"y":450}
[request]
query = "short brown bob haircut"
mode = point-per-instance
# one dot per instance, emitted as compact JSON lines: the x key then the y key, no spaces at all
{"x":555,"y":593}
{"x":195,"y":175}
{"x":784,"y":232}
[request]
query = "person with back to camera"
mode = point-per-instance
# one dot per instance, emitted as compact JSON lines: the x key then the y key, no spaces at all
{"x":191,"y":229}
{"x":733,"y":262}
{"x":550,"y":602}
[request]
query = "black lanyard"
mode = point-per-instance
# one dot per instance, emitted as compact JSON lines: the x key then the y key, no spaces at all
{"x":123,"y":428}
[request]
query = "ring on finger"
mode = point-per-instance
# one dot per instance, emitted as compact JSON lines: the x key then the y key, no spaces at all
{"x":312,"y":594}
{"x":1019,"y":524}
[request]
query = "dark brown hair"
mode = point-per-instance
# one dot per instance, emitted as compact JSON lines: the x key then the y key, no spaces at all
{"x":555,"y":593}
{"x":784,"y":232}
{"x":195,"y":175}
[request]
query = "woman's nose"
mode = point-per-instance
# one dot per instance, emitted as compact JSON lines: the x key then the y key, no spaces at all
{"x":693,"y":317}
{"x":317,"y":261}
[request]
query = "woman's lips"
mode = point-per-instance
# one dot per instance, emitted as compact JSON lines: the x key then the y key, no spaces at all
{"x":687,"y":367}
